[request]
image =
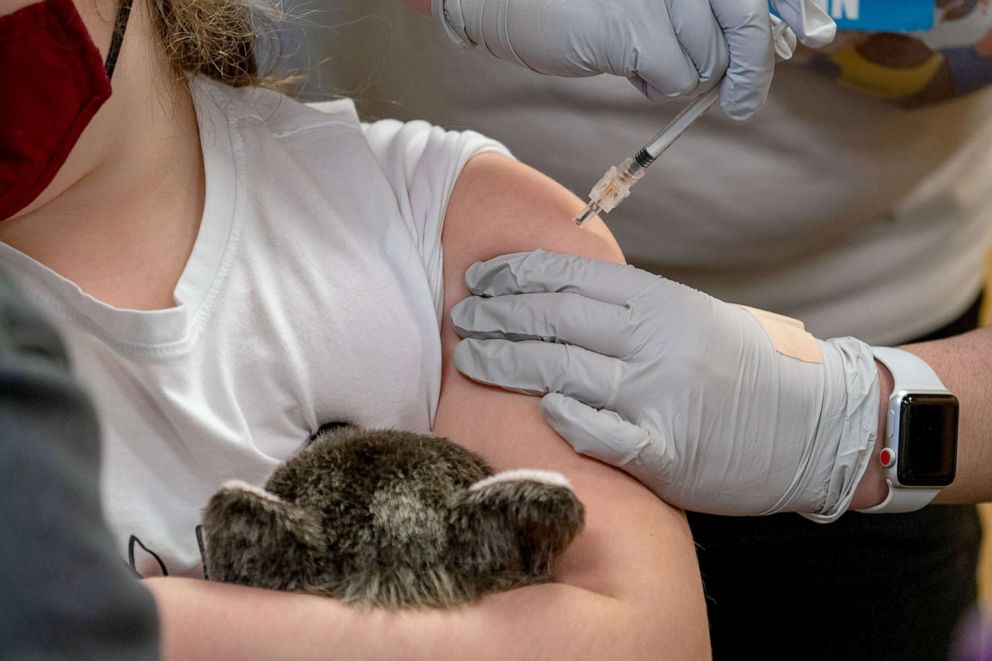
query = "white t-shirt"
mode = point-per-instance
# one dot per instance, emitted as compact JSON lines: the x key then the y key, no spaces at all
{"x":313,"y":294}
{"x":857,"y":216}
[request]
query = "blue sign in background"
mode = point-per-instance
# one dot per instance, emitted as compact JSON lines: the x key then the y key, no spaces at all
{"x":882,"y":15}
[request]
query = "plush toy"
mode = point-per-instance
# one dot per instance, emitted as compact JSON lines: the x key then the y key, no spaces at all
{"x":390,"y":519}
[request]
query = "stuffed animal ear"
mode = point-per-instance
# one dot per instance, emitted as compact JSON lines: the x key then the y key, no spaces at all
{"x":522,"y":519}
{"x":252,"y":537}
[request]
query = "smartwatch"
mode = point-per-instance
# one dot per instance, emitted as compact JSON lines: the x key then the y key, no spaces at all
{"x":921,"y":433}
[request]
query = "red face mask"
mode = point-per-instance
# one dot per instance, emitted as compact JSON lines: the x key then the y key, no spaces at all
{"x":53,"y":83}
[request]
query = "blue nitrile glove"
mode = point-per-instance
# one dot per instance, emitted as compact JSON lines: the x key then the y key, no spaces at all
{"x":666,"y":48}
{"x":717,"y":408}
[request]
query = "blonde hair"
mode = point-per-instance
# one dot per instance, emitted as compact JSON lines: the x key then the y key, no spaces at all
{"x":216,"y":38}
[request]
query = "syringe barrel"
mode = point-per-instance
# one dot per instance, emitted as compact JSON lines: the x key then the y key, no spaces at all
{"x":666,"y":136}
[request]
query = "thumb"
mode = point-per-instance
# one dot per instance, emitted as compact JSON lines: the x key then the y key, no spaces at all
{"x":597,"y":433}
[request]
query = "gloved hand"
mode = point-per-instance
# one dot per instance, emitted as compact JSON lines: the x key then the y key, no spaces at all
{"x":715,"y":407}
{"x":666,"y":48}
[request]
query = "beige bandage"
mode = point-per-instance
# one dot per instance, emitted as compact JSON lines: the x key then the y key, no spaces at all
{"x":788,"y":335}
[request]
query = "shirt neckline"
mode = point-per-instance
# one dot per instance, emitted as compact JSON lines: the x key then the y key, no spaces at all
{"x":170,"y":329}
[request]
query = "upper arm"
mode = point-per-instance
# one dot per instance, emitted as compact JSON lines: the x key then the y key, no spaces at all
{"x":634,"y":547}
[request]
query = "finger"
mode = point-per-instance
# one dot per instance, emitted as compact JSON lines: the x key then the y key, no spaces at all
{"x":601,"y":434}
{"x":563,"y":317}
{"x":656,"y":65}
{"x":536,"y":368}
{"x":654,"y":94}
{"x":649,"y":91}
{"x":658,"y":80}
{"x":746,"y":25}
{"x":702,"y":40}
{"x":540,"y":271}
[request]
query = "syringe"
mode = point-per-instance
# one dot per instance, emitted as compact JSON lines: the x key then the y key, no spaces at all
{"x":615,"y":185}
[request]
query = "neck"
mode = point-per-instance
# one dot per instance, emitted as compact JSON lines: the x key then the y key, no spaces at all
{"x":123,"y":229}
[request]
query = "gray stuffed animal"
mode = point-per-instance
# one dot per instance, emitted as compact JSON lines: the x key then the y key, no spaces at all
{"x":390,"y":519}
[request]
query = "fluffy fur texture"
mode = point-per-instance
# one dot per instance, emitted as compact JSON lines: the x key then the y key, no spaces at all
{"x":382,"y":518}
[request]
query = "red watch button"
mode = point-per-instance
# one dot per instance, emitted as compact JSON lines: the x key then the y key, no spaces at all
{"x":887,"y":456}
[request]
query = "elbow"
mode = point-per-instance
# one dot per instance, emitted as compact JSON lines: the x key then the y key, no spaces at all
{"x":671,"y":631}
{"x":592,"y":627}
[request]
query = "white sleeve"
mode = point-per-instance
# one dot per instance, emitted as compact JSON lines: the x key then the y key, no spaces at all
{"x":422,"y":162}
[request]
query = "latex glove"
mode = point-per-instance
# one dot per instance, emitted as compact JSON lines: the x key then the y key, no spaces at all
{"x":809,"y":20}
{"x":686,"y":393}
{"x":666,"y":48}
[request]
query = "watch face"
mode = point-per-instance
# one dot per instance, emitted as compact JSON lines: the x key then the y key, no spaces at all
{"x":928,"y":432}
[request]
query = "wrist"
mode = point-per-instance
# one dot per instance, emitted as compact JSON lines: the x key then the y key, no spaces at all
{"x":845,"y":441}
{"x":873,"y":488}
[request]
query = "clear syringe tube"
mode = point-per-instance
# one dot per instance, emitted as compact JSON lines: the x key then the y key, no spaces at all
{"x":614,"y":187}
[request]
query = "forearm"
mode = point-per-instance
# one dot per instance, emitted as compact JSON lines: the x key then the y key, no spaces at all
{"x":963,"y":364}
{"x":213,"y":620}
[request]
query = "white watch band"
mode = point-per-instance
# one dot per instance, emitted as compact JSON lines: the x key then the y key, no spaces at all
{"x":910,"y":373}
{"x":902,"y":499}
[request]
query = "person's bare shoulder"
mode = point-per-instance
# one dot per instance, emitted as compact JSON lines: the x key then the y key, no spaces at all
{"x":500,"y":205}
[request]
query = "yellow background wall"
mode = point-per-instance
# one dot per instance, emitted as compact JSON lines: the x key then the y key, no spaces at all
{"x":985,"y":567}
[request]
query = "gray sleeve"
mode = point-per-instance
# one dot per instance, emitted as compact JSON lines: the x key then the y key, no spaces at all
{"x":64,"y":593}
